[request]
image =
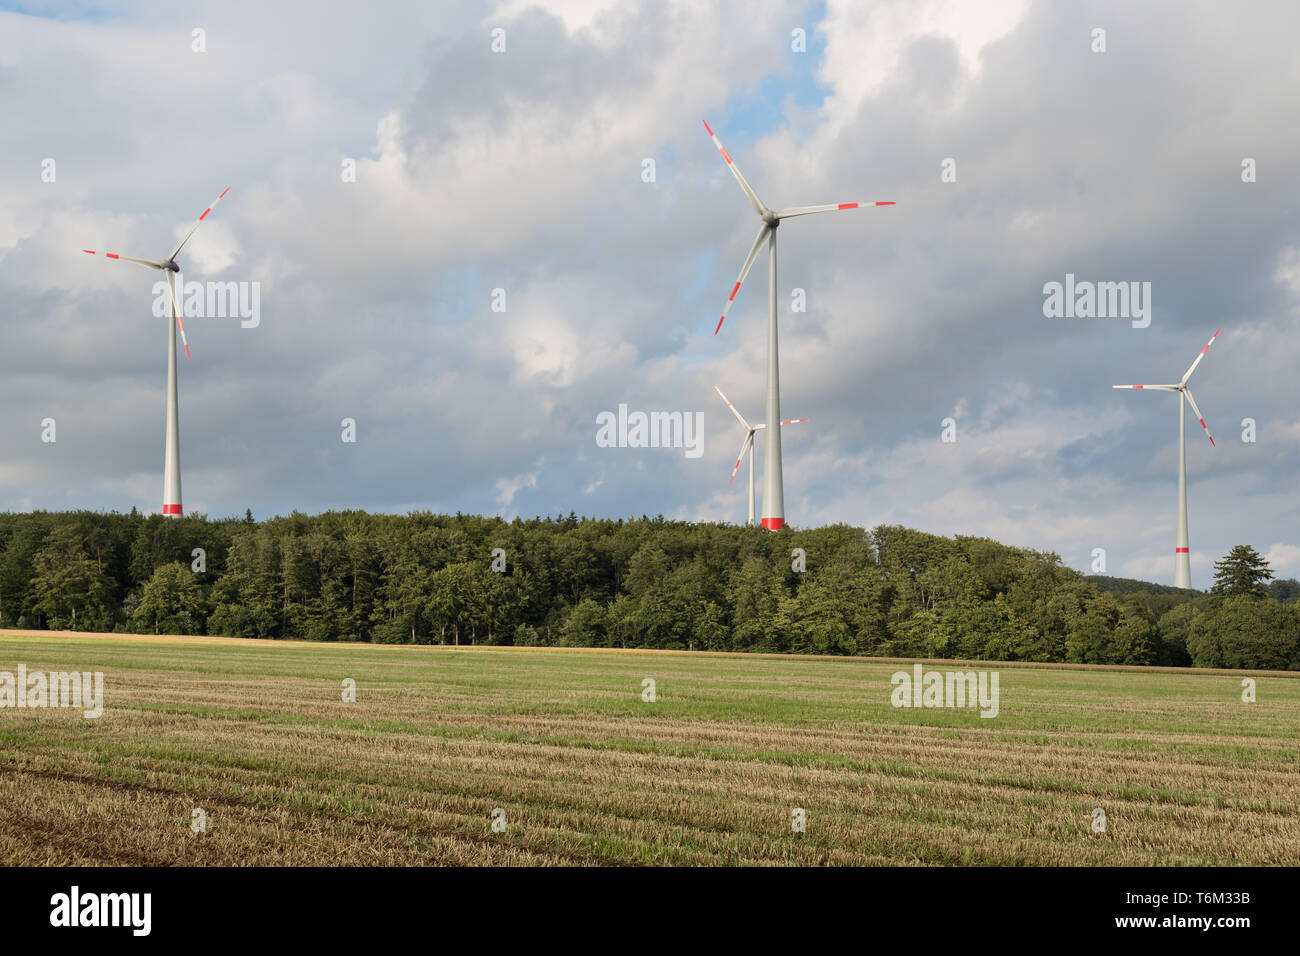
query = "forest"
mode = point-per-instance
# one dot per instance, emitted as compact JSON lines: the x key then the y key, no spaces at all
{"x":647,"y":583}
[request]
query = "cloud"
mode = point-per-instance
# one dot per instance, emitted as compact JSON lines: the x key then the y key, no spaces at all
{"x":1284,"y":559}
{"x":522,"y":170}
{"x":507,"y":488}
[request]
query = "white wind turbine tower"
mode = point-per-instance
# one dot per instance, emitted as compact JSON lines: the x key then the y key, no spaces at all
{"x":748,"y":444}
{"x":172,"y":459}
{"x":773,"y":491}
{"x":1182,"y":554}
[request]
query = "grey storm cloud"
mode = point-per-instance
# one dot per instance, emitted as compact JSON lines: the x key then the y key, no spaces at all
{"x":521,"y":171}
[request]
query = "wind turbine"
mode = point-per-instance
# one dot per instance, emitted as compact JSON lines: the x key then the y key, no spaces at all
{"x":1182,"y":554}
{"x":773,"y":492}
{"x":172,"y":459}
{"x":748,"y":443}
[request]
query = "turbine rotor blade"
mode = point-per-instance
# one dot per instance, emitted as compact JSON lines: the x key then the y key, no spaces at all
{"x":743,"y":446}
{"x":176,"y":311}
{"x":763,"y":232}
{"x":1199,"y":416}
{"x":202,"y":216}
{"x":794,"y":421}
{"x":733,"y":408}
{"x":1163,"y":388}
{"x":828,"y":207}
{"x":749,"y":192}
{"x":113,"y":255}
{"x":1199,"y":357}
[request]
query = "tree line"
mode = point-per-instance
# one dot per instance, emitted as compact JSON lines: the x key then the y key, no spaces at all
{"x":463,"y":579}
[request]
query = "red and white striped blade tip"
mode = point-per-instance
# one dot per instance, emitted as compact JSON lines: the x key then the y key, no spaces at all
{"x":181,"y":325}
{"x":214,"y":202}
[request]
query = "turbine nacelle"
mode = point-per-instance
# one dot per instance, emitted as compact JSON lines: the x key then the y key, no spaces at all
{"x":771,"y":219}
{"x":1181,"y":387}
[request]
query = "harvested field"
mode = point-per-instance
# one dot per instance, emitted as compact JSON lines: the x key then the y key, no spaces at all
{"x":256,"y":734}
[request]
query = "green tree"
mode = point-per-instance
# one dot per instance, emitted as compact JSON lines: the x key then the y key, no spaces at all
{"x":1242,"y":631}
{"x":171,"y":602}
{"x":245,"y":598}
{"x":455,"y":602}
{"x":1135,"y":637}
{"x":921,"y":634}
{"x":18,"y":568}
{"x":648,"y":567}
{"x":585,"y":626}
{"x":1173,"y":630}
{"x":756,"y":590}
{"x":70,"y":590}
{"x":1107,"y":632}
{"x":837,"y":610}
{"x":1286,"y":590}
{"x":526,"y":636}
{"x":711,"y":631}
{"x":1242,"y":570}
{"x":992,"y":630}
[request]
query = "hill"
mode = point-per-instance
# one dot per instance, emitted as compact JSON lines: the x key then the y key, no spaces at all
{"x":1110,"y":585}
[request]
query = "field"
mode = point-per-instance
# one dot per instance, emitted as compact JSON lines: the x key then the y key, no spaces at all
{"x":257,"y":735}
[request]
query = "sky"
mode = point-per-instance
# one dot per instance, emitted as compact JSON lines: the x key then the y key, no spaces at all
{"x":505,"y":264}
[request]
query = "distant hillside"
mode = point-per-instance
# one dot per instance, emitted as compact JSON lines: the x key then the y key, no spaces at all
{"x":1286,"y":590}
{"x":1109,"y":585}
{"x":1156,"y":599}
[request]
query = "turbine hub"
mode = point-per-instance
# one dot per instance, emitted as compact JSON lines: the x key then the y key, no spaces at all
{"x":769,"y":217}
{"x":173,"y":267}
